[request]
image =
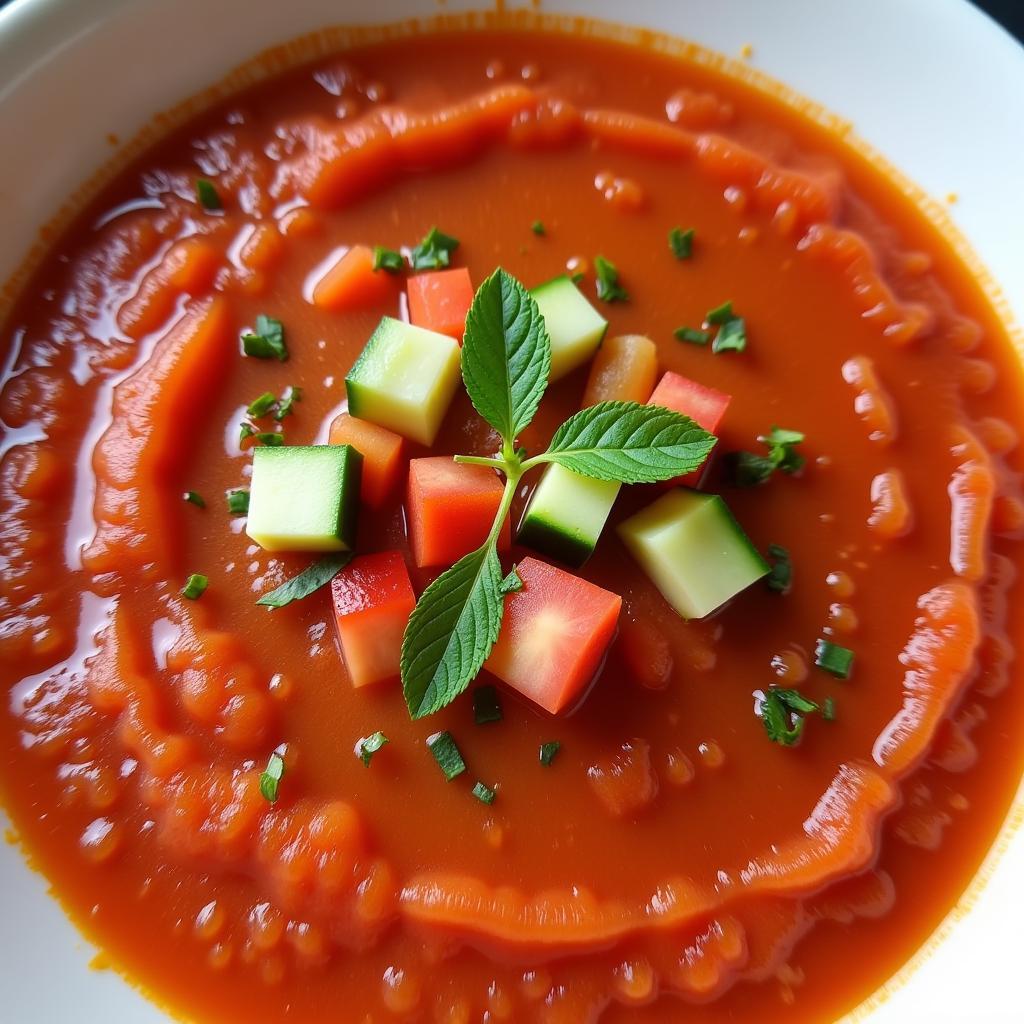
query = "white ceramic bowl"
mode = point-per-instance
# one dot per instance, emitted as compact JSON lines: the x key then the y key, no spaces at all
{"x":932,"y":84}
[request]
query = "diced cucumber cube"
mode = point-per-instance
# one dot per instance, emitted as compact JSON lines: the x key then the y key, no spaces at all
{"x":404,"y":379}
{"x":304,"y":498}
{"x":694,"y":550}
{"x":575,"y":327}
{"x":566,"y":515}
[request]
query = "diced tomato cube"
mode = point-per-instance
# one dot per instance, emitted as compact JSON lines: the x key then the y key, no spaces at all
{"x":704,"y":405}
{"x":382,"y":451}
{"x":451,"y":508}
{"x":373,"y":599}
{"x":439,"y":301}
{"x":352,"y":283}
{"x":554,"y":634}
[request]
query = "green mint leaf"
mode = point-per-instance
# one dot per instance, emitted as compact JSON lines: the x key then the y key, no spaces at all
{"x":681,"y":242}
{"x":267,"y":341}
{"x":286,"y":403}
{"x":319,"y":574}
{"x":630,"y":443}
{"x":780,"y":578}
{"x":270,"y":779}
{"x":434,"y":252}
{"x":511,"y":584}
{"x":261,"y":406}
{"x":369,"y":745}
{"x":194,"y":498}
{"x":451,"y":631}
{"x":731,"y":336}
{"x":608,"y":287}
{"x":506,"y":354}
{"x":195,"y":586}
{"x":387,"y":259}
{"x":208,"y":196}
{"x":691,"y":335}
{"x":238,"y":501}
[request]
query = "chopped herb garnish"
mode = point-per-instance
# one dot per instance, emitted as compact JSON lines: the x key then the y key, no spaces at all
{"x":828,"y":710}
{"x":388,"y":259}
{"x":261,"y":406}
{"x":720,"y":314}
{"x":748,"y":469}
{"x":549,"y":751}
{"x":780,"y":578}
{"x":731,"y":336}
{"x":446,"y":754}
{"x":208,"y":196}
{"x":286,"y":403}
{"x":783,"y":713}
{"x":577,"y":277}
{"x":537,"y":227}
{"x":484,"y":793}
{"x":194,"y":498}
{"x":692,"y":335}
{"x":319,"y":574}
{"x":434,"y":252}
{"x":681,"y":242}
{"x":271,"y":777}
{"x":835,"y":660}
{"x":269,"y":438}
{"x":267,"y":341}
{"x":369,"y":745}
{"x":486,"y":705}
{"x":245,"y":431}
{"x":608,"y":287}
{"x":238,"y":502}
{"x":195,"y":586}
{"x":512,"y":583}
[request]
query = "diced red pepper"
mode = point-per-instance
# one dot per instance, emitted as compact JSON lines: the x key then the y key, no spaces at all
{"x":373,"y":599}
{"x":451,"y":508}
{"x":554,"y":634}
{"x":352,"y":283}
{"x":439,"y":301}
{"x":382,"y":451}
{"x":704,"y":405}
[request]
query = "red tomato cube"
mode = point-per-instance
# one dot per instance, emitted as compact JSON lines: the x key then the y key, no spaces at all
{"x":382,"y":451}
{"x":450,"y":509}
{"x":554,"y":634}
{"x":704,"y":405}
{"x":373,"y":599}
{"x":439,"y":301}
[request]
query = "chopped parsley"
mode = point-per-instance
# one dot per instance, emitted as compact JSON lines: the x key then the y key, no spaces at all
{"x":388,"y":259}
{"x":692,"y":335}
{"x":266,"y":341}
{"x":238,"y":502}
{"x":720,"y":314}
{"x":271,"y":777}
{"x":269,"y":438}
{"x":484,"y":793}
{"x":208,"y":196}
{"x":681,"y":242}
{"x":783,"y":713}
{"x":434,"y":252}
{"x":828,"y":710}
{"x":194,"y":498}
{"x":608,"y":287}
{"x":549,"y":751}
{"x":537,"y":227}
{"x":732,"y":329}
{"x":780,"y":578}
{"x":261,"y":406}
{"x":286,"y":403}
{"x":369,"y":745}
{"x":486,"y":705}
{"x":835,"y":660}
{"x":195,"y":586}
{"x":446,"y":754}
{"x":747,"y":469}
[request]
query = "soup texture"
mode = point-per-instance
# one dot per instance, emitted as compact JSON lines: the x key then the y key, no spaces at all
{"x":191,"y":770}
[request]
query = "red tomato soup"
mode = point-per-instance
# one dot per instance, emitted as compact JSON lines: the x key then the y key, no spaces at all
{"x":746,"y":733}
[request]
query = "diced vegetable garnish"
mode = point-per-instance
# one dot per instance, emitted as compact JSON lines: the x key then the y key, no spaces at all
{"x":450,"y":509}
{"x":352,"y":283}
{"x":382,"y":451}
{"x":373,"y":599}
{"x":549,"y":751}
{"x":486,"y":705}
{"x":681,"y":242}
{"x":693,"y":549}
{"x":834,"y":659}
{"x":608,"y":287}
{"x":446,"y":754}
{"x":389,"y":260}
{"x":704,"y":405}
{"x":623,"y":370}
{"x":783,"y":713}
{"x":369,"y":745}
{"x":780,"y":579}
{"x":195,"y":586}
{"x":484,"y":793}
{"x":304,"y":498}
{"x":440,"y":301}
{"x":434,"y":251}
{"x":553,"y":636}
{"x":566,"y":515}
{"x":267,"y":340}
{"x":208,"y":196}
{"x":574,"y":326}
{"x":404,"y":379}
{"x":194,"y":498}
{"x":270,"y":778}
{"x":238,"y":501}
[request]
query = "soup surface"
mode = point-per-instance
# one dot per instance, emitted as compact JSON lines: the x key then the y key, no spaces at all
{"x":671,"y":862}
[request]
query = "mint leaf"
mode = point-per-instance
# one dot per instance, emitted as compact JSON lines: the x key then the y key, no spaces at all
{"x":512,"y":583}
{"x":628,"y":442}
{"x":434,"y":252}
{"x":731,"y":336}
{"x":320,"y":573}
{"x":681,"y":242}
{"x":451,"y":631}
{"x":506,"y":354}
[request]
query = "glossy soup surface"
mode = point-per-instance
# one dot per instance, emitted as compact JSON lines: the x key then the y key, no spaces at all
{"x":672,"y":863}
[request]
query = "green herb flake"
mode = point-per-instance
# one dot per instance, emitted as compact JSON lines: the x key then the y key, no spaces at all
{"x":238,"y":501}
{"x":446,"y":754}
{"x":828,"y":710}
{"x":537,"y":227}
{"x":208,"y":196}
{"x":780,"y":578}
{"x":691,"y":335}
{"x":681,"y":242}
{"x":388,"y":259}
{"x":731,"y":336}
{"x":266,"y":341}
{"x":434,"y":252}
{"x":369,"y":745}
{"x":195,"y":586}
{"x":194,"y":498}
{"x":484,"y":793}
{"x":835,"y":660}
{"x":259,"y":407}
{"x":549,"y":751}
{"x":512,"y":583}
{"x":286,"y":403}
{"x":783,"y":713}
{"x":269,"y":438}
{"x":608,"y":287}
{"x":782,"y":451}
{"x":747,"y":469}
{"x":720,"y":314}
{"x":311,"y":579}
{"x":270,"y":779}
{"x":486,"y":705}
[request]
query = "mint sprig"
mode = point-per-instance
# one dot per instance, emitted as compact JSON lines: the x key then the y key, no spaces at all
{"x":506,"y":362}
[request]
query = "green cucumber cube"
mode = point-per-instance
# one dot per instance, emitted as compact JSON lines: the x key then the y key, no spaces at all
{"x":693,"y":549}
{"x":304,"y":498}
{"x":575,"y":327}
{"x":566,"y":515}
{"x":404,"y":379}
